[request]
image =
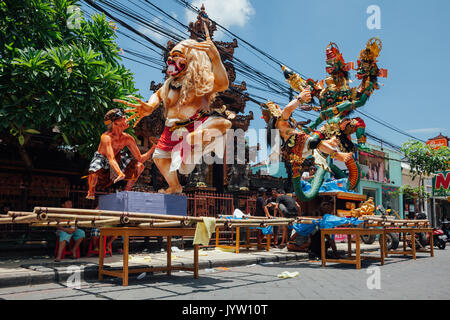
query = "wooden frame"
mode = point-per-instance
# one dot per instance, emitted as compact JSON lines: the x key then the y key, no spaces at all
{"x":412,"y":232}
{"x":349,"y":232}
{"x":126,"y":233}
{"x":237,"y":245}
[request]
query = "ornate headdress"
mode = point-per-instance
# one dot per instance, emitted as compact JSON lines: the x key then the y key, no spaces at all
{"x":113,"y":115}
{"x":367,"y":61}
{"x":271,"y":109}
{"x":335,"y":61}
{"x":372,"y":50}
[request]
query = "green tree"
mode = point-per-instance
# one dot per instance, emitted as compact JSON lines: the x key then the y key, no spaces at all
{"x":424,"y":161}
{"x":58,"y":72}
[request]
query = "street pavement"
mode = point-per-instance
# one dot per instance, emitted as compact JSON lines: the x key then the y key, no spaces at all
{"x":400,"y":278}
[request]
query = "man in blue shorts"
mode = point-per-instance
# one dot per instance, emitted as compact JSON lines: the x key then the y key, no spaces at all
{"x":65,"y":234}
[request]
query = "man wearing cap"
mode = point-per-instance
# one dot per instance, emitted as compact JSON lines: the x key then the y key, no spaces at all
{"x":110,"y":154}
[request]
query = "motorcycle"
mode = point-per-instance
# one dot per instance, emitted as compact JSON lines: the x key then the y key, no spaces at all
{"x":423,"y":239}
{"x":445,"y":226}
{"x":392,"y":239}
{"x":439,"y":238}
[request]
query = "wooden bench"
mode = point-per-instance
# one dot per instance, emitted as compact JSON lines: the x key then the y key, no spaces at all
{"x":349,"y":232}
{"x":412,"y":232}
{"x":236,"y":241}
{"x":127,"y":232}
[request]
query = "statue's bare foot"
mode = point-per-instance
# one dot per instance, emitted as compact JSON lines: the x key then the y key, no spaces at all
{"x":119,"y":178}
{"x":171,"y":190}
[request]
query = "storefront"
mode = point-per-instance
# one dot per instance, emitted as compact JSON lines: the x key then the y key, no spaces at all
{"x":381,"y":177}
{"x":441,"y":197}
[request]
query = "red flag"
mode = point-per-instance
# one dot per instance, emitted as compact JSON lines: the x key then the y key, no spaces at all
{"x":349,"y":66}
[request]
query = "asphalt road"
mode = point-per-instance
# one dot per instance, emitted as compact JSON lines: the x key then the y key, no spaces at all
{"x":400,"y":278}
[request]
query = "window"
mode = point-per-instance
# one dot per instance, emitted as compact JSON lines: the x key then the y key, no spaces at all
{"x":371,"y":193}
{"x":390,"y":201}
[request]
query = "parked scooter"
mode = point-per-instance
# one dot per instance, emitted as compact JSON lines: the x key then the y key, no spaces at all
{"x":423,"y":239}
{"x":439,"y":238}
{"x":445,"y":226}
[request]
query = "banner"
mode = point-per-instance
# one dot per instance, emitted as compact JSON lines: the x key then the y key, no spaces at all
{"x":374,"y":166}
{"x":441,"y":184}
{"x":437,"y":143}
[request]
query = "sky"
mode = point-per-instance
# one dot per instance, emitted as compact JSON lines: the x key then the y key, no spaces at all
{"x":414,"y":98}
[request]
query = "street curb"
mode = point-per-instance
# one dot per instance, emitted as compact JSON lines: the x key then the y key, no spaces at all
{"x":90,"y":272}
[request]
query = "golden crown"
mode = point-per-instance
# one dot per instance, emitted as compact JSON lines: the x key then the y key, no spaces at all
{"x":372,"y":50}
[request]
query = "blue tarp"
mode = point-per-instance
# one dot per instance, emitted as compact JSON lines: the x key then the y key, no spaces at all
{"x":304,"y":229}
{"x":331,"y":221}
{"x":328,"y":221}
{"x":339,"y":185}
{"x":265,"y":231}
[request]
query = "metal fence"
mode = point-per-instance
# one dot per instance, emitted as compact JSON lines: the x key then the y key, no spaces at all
{"x":21,"y":198}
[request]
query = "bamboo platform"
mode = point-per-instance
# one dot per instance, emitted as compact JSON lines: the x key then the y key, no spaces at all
{"x":65,"y":217}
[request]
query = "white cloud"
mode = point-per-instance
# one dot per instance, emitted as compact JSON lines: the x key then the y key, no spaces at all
{"x":426,"y":130}
{"x":225,"y":12}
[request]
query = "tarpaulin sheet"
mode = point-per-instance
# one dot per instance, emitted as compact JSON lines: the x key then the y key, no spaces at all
{"x":339,"y":185}
{"x":266,"y":230}
{"x":328,"y":221}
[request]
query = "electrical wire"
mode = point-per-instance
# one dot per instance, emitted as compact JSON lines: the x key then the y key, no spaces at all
{"x":272,"y":85}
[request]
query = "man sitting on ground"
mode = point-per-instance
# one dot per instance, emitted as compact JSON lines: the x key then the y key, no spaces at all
{"x":65,"y":234}
{"x":298,"y":243}
{"x":315,"y":247}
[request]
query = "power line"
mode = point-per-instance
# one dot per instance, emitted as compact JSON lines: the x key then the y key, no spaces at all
{"x":97,"y":7}
{"x":273,"y":86}
{"x":386,"y":124}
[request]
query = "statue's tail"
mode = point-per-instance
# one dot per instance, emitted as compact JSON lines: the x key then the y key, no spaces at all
{"x":354,"y":173}
{"x":316,"y":183}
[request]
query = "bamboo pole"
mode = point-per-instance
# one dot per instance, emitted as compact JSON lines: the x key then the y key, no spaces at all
{"x":77,"y":223}
{"x":114,"y":213}
{"x":20,"y":213}
{"x":139,"y":215}
{"x":39,"y":216}
{"x":160,"y":224}
{"x":6,"y":220}
{"x":99,"y":223}
{"x":25,"y":218}
{"x":388,"y":219}
{"x":96,"y":218}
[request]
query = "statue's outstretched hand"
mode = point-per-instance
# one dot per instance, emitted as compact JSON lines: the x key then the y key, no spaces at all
{"x":142,"y":109}
{"x":209,"y":47}
{"x":305,"y":96}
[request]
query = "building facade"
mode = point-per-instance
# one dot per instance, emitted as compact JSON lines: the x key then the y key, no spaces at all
{"x":381,"y":177}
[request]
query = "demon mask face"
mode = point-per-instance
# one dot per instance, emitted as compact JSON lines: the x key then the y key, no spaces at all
{"x":176,"y":63}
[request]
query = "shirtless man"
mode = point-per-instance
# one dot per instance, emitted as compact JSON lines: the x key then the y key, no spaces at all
{"x":195,"y":75}
{"x":109,"y":164}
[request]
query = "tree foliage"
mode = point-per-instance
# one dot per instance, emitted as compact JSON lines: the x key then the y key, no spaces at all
{"x":424,"y":160}
{"x":58,"y":72}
